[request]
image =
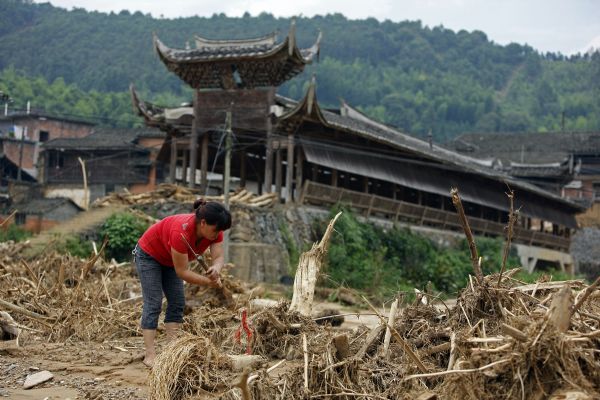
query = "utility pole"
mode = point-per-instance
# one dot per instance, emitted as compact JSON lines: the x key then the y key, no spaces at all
{"x":226,"y":179}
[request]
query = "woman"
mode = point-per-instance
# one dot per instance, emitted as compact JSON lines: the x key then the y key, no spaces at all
{"x":161,"y":257}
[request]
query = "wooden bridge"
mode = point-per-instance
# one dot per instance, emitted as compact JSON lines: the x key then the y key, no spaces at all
{"x":401,"y":211}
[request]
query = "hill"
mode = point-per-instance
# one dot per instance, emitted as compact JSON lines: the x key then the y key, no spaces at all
{"x":415,"y":77}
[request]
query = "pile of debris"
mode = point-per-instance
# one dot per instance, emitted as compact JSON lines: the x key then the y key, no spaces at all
{"x":169,"y":192}
{"x":503,"y":340}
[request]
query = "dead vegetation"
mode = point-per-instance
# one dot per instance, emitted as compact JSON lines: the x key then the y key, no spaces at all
{"x":503,"y":339}
{"x":169,"y":192}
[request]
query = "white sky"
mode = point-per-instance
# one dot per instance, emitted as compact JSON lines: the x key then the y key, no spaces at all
{"x":565,"y":26}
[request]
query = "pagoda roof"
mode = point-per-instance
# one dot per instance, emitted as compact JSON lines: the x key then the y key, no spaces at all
{"x":245,"y":63}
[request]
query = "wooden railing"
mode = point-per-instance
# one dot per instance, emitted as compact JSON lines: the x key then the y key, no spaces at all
{"x":400,"y":211}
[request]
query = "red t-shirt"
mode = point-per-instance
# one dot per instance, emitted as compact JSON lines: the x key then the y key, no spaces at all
{"x":158,"y":240}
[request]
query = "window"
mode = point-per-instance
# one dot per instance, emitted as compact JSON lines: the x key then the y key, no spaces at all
{"x":55,"y":159}
{"x":20,"y":219}
{"x":44,"y":136}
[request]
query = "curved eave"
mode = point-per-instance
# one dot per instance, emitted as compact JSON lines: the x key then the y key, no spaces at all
{"x":141,"y":108}
{"x":286,"y":49}
{"x":307,"y":108}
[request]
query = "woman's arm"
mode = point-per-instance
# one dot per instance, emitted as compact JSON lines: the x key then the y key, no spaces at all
{"x":218,"y":259}
{"x":180,"y":261}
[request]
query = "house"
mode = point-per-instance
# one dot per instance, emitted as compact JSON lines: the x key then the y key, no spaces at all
{"x":21,"y":135}
{"x":40,"y":214}
{"x":112,"y":159}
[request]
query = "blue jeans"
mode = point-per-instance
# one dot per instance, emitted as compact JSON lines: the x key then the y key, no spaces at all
{"x":157,"y":279}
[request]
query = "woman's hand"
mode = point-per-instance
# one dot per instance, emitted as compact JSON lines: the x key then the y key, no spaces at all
{"x":214,"y":272}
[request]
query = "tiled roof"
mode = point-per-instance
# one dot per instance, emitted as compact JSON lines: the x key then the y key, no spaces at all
{"x":42,"y":115}
{"x":41,"y":206}
{"x":530,"y":148}
{"x":105,"y":138}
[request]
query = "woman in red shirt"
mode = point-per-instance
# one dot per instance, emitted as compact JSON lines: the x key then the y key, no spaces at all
{"x":162,"y":256}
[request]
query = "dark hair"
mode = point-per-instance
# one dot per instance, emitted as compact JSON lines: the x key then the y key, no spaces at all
{"x":213,"y":213}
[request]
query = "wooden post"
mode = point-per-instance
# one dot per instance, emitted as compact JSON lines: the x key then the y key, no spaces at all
{"x":278,"y":176}
{"x":365,"y":184}
{"x":243,"y":169}
{"x":194,"y":141}
{"x":315,"y":173}
{"x":299,"y":165}
{"x":86,"y":193}
{"x":334,"y":177}
{"x":226,"y":179}
{"x":289,"y":172}
{"x":204,"y":163}
{"x":173,"y":160}
{"x":269,"y":158}
{"x":184,"y":167}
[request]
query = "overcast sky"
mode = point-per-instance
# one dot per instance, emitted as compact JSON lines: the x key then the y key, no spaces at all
{"x":566,"y":26}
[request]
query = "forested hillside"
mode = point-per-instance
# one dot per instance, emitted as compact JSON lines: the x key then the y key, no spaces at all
{"x":417,"y":78}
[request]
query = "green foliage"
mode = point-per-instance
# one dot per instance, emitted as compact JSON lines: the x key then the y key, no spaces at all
{"x":13,"y":233}
{"x":290,"y":244}
{"x":555,"y":275}
{"x":76,"y":246}
{"x":123,"y":231}
{"x":417,"y":78}
{"x":364,"y":256}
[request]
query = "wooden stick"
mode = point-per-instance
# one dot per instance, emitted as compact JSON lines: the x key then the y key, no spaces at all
{"x":374,"y":335}
{"x":465,"y":224}
{"x":514,"y":332}
{"x":452,"y":359}
{"x":512,"y":217}
{"x":405,"y":346}
{"x":12,"y":214}
{"x":305,"y":350}
{"x":436,"y":349}
{"x":106,"y":293}
{"x":388,"y":332}
{"x":456,"y":371}
{"x":23,"y":311}
{"x":586,"y":294}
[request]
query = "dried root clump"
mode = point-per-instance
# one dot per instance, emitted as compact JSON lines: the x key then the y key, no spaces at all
{"x":190,"y":366}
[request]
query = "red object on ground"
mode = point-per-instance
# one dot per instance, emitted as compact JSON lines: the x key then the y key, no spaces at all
{"x":244,"y":326}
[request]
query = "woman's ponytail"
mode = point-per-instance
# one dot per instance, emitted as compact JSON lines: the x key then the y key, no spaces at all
{"x":199,"y":203}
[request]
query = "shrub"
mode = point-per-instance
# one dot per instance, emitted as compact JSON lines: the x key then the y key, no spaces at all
{"x":76,"y":246}
{"x":14,"y":233}
{"x":364,"y":256}
{"x":123,"y":231}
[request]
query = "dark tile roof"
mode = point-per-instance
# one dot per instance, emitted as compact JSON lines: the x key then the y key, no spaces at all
{"x":106,"y":139}
{"x":42,"y":115}
{"x":41,"y":206}
{"x":531,"y":148}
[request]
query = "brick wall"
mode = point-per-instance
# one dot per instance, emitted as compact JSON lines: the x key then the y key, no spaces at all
{"x":11,"y":148}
